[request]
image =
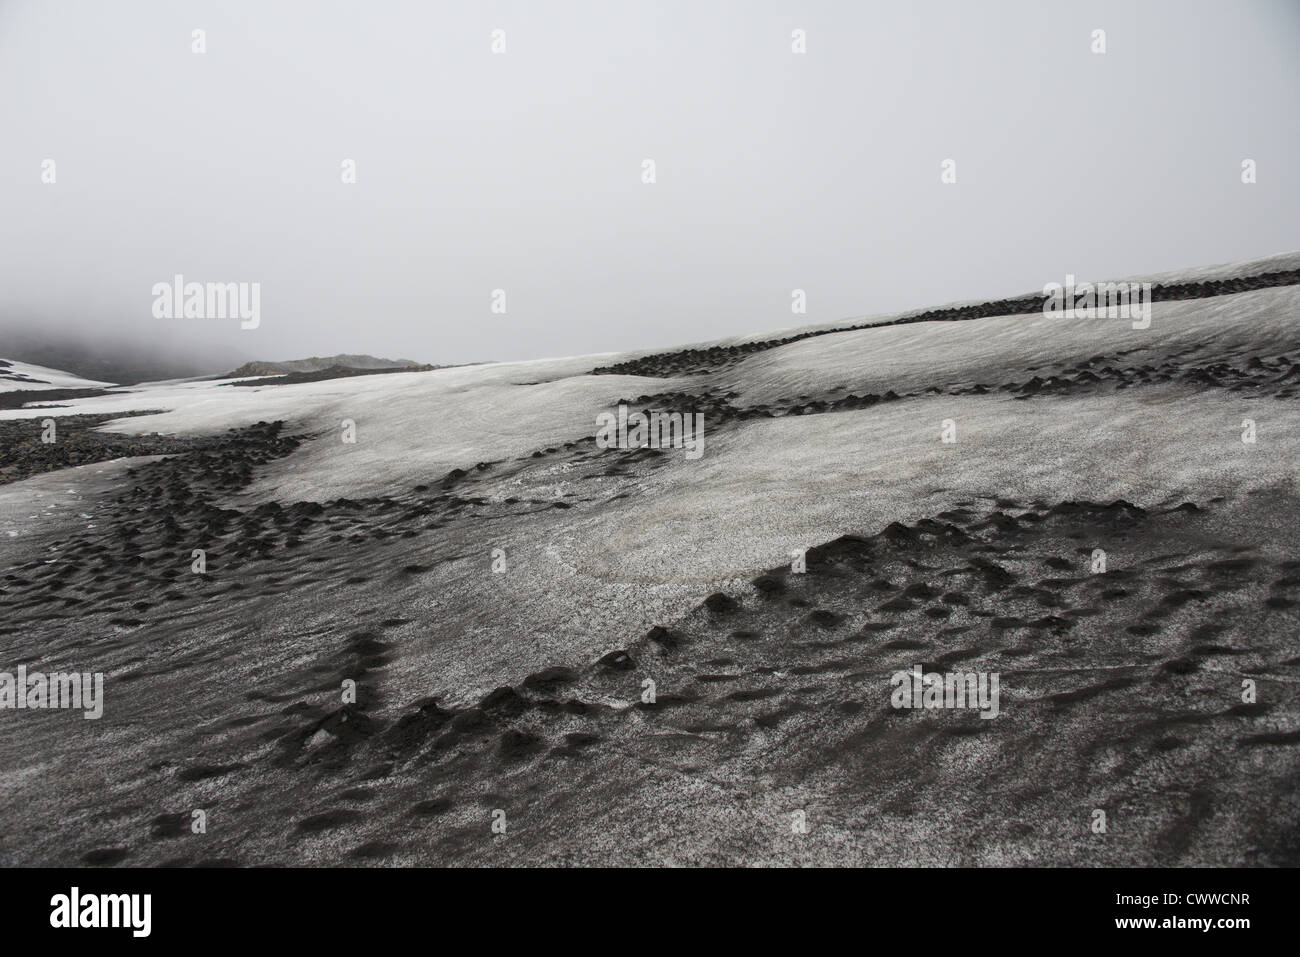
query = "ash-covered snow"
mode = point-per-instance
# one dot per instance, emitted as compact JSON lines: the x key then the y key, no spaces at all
{"x":600,"y":547}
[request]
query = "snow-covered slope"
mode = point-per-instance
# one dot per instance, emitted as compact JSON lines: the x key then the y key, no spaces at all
{"x":474,"y":538}
{"x":23,"y":375}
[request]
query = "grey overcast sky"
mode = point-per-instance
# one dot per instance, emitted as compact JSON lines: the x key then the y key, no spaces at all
{"x":522,"y":171}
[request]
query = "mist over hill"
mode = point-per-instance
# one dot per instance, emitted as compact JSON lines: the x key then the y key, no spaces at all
{"x":319,"y":364}
{"x":109,"y":359}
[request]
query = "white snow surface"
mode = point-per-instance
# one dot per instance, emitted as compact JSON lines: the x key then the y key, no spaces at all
{"x":39,"y":377}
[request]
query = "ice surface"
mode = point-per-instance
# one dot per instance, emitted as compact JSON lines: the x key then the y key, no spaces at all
{"x":50,"y":378}
{"x":918,"y":355}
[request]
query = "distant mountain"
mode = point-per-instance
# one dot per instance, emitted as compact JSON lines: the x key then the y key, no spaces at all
{"x":333,"y":372}
{"x":320,"y":364}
